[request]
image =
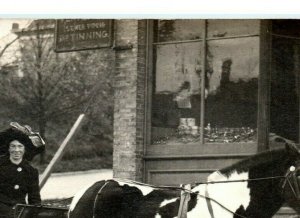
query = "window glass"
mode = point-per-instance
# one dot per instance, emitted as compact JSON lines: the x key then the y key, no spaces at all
{"x":174,"y":30}
{"x":176,"y":93}
{"x":227,"y":28}
{"x":232,"y":83}
{"x":284,"y":103}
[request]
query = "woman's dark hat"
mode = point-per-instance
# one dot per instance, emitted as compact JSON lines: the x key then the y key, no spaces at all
{"x":33,"y":142}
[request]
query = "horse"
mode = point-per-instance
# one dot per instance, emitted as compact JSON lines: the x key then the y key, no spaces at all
{"x":255,"y":187}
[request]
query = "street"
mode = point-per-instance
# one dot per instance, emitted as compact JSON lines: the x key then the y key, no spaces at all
{"x":65,"y":185}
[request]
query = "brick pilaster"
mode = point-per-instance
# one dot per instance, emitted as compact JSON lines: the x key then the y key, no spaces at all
{"x":129,"y":100}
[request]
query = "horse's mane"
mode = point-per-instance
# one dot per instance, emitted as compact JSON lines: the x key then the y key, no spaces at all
{"x":267,"y":157}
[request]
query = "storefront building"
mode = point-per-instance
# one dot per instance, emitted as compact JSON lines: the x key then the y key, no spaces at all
{"x":193,"y":96}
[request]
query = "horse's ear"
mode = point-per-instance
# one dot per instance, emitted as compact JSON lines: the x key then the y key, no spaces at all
{"x":292,"y":148}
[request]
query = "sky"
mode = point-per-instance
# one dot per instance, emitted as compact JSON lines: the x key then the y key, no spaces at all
{"x":141,"y":9}
{"x":6,"y":37}
{"x":6,"y":24}
{"x":118,"y":9}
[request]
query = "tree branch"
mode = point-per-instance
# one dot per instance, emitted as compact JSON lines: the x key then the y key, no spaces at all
{"x":7,"y":45}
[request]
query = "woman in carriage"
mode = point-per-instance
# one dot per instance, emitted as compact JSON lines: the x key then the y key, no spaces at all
{"x":18,"y":179}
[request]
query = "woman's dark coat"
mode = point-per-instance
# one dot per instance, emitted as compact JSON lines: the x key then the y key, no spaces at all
{"x":16,"y":181}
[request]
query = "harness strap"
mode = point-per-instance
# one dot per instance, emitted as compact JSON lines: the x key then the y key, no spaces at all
{"x":208,"y":202}
{"x":20,"y":214}
{"x":296,"y":186}
{"x":96,"y":199}
{"x":184,"y":199}
{"x":292,"y":188}
{"x":291,"y":180}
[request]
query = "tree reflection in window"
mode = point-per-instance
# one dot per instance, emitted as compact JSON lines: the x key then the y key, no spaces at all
{"x":231,"y":85}
{"x":176,"y":93}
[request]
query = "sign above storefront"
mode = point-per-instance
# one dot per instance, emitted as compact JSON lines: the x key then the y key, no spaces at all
{"x":83,"y":34}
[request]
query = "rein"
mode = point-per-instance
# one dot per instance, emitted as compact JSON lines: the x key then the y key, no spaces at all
{"x":241,"y":180}
{"x":203,"y":183}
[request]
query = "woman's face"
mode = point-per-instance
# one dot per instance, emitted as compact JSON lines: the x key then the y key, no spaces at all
{"x":16,"y":150}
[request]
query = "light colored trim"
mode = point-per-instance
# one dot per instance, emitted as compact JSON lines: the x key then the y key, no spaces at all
{"x":203,"y":74}
{"x":207,"y":39}
{"x":191,"y":157}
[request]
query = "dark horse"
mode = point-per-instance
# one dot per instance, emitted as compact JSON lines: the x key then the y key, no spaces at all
{"x":255,"y":187}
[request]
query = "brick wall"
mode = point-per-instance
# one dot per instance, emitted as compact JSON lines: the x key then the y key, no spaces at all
{"x":129,"y":99}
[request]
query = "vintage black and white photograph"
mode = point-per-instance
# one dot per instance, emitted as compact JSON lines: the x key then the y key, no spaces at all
{"x":149,"y":118}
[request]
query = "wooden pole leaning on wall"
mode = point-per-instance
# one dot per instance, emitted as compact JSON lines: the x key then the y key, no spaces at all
{"x":46,"y":174}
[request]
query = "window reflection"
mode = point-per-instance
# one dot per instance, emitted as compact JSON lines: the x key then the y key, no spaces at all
{"x":228,"y":28}
{"x":174,"y":30}
{"x":176,"y":96}
{"x":232,"y":82}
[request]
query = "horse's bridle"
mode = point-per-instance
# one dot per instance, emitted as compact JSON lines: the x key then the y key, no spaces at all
{"x":292,"y":181}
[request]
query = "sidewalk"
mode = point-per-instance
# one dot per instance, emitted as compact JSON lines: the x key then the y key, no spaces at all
{"x":65,"y":185}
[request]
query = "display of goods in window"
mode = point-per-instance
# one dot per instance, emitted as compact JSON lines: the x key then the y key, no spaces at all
{"x":191,"y":134}
{"x":227,"y":135}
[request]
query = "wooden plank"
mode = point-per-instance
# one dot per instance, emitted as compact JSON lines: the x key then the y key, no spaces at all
{"x":263,"y":118}
{"x":195,"y":148}
{"x":192,"y":164}
{"x":148,"y":82}
{"x":59,"y":153}
{"x":177,"y":177}
{"x":203,"y":156}
{"x":203,"y":74}
{"x":148,"y":90}
{"x":208,"y":39}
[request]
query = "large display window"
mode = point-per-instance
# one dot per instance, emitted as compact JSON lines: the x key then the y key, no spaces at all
{"x":284,"y":82}
{"x":217,"y":107}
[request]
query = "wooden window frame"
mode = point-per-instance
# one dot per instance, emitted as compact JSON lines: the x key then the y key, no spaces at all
{"x":263,"y":109}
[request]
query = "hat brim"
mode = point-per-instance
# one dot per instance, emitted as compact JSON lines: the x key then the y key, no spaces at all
{"x":11,"y":134}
